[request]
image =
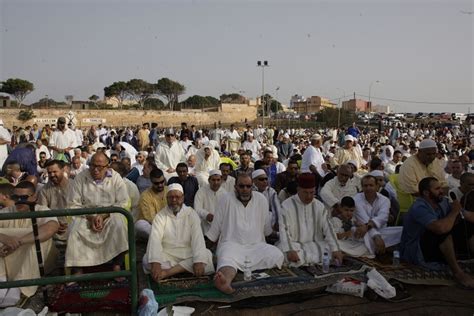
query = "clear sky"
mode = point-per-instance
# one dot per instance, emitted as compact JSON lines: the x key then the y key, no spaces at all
{"x":420,"y":50}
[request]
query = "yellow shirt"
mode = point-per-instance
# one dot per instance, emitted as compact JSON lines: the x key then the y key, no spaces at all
{"x":413,"y":171}
{"x":150,"y":204}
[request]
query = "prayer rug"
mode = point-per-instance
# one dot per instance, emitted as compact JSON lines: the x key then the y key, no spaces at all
{"x":91,"y":296}
{"x":411,"y":274}
{"x":264,"y":283}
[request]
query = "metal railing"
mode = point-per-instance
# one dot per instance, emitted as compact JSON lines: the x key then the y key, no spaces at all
{"x":131,"y":274}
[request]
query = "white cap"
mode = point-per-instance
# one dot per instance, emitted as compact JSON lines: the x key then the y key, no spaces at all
{"x":249,"y":134}
{"x":377,"y":173}
{"x":143,"y":153}
{"x":258,"y":173}
{"x":427,"y":143}
{"x":316,"y":137}
{"x":286,"y":135}
{"x":349,"y":138}
{"x":169,"y":131}
{"x":352,"y":162}
{"x":1,"y":122}
{"x":215,"y":172}
{"x":175,"y":187}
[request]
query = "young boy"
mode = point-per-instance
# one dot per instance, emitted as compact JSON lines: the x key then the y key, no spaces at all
{"x":343,"y":224}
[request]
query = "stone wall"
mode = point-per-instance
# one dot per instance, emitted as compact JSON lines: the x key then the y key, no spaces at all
{"x":84,"y":118}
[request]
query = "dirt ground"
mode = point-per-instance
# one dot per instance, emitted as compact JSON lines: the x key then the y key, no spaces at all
{"x":424,"y":300}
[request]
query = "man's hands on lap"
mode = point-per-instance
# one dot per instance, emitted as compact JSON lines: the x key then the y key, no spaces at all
{"x":199,"y":268}
{"x":292,"y":256}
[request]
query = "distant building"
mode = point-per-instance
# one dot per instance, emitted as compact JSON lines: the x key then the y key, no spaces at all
{"x":381,"y":108}
{"x":5,"y":102}
{"x":357,"y":105}
{"x":313,"y":104}
{"x":296,"y":98}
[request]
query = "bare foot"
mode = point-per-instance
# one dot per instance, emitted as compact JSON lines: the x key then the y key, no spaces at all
{"x":164,"y":274}
{"x":222,"y":284}
{"x":117,"y":268}
{"x":465,"y":279}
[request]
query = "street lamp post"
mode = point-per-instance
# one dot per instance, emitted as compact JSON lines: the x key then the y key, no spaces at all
{"x":370,"y":102}
{"x":340,"y":106}
{"x":262,"y":99}
{"x":370,"y":90}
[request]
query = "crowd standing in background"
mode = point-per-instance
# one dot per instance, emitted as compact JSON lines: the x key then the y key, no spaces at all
{"x":253,"y":197}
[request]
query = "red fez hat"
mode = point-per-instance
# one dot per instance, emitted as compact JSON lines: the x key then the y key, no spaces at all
{"x":306,"y":180}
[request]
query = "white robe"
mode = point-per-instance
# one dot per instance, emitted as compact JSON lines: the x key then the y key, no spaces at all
{"x":63,"y":139}
{"x":312,"y":157}
{"x":241,"y":233}
{"x":86,"y":248}
{"x":22,"y":263}
{"x":5,"y":135}
{"x":177,"y":239}
{"x":305,"y":228}
{"x":134,"y":195}
{"x":254,"y":147}
{"x":332,"y":192}
{"x":350,"y":246}
{"x":203,"y":165}
{"x":378,"y":213}
{"x":167,"y":157}
{"x":205,"y":203}
{"x":229,"y":184}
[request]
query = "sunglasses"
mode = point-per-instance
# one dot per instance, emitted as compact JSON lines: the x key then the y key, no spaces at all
{"x":262,"y":179}
{"x":247,"y":186}
{"x":16,"y":197}
{"x":158,"y":182}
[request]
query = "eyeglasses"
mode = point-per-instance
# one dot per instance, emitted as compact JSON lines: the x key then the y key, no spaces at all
{"x":169,"y":135}
{"x":158,"y":182}
{"x":262,"y":179}
{"x":246,"y":186}
{"x":98,"y":167}
{"x":16,"y":197}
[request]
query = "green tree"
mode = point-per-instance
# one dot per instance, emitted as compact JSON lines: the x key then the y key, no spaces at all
{"x":170,"y":90}
{"x":44,"y":102}
{"x":94,"y":98}
{"x":139,"y":90}
{"x":26,"y":115}
{"x":154,"y":104}
{"x":117,"y":90}
{"x":196,"y":102}
{"x":232,"y":98}
{"x":332,"y":115}
{"x":17,"y":88}
{"x":213,"y":101}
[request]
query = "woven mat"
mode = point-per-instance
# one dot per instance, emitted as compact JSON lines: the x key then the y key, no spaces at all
{"x":412,"y":274}
{"x":286,"y":280}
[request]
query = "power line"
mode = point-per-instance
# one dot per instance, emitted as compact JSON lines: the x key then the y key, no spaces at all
{"x":419,"y":102}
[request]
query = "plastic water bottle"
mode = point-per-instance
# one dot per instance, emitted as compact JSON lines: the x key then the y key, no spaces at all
{"x":326,"y":261}
{"x":247,"y":270}
{"x":396,"y":258}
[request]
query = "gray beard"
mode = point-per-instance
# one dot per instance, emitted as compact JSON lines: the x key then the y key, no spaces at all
{"x":175,"y":210}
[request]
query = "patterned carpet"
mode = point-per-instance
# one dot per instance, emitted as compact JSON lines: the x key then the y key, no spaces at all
{"x":289,"y":280}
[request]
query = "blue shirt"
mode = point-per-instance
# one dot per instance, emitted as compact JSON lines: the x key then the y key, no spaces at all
{"x":420,"y":215}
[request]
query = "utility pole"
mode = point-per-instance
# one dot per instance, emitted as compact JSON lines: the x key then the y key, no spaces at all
{"x":262,"y":99}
